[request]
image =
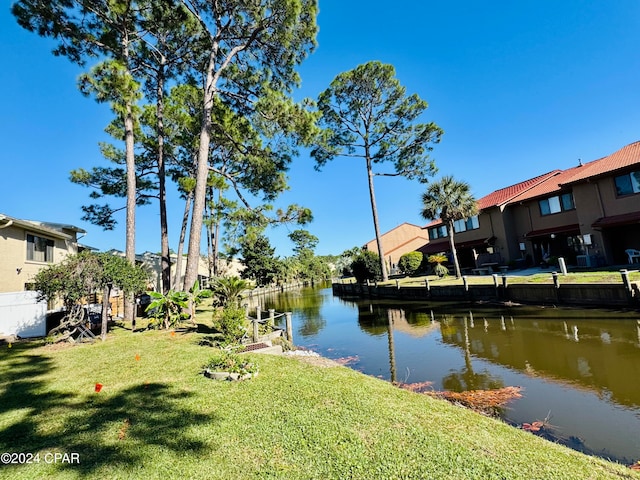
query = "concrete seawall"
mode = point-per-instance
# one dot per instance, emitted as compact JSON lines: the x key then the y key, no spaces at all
{"x":601,"y":294}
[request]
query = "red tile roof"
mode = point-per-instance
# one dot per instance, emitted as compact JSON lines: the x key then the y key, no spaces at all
{"x":499,"y":198}
{"x":555,"y":180}
{"x":548,"y":186}
{"x":625,"y":157}
{"x":503,"y":196}
{"x":433,"y":223}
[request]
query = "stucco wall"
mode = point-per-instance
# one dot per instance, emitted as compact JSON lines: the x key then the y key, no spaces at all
{"x":400,"y":240}
{"x":15,"y":270}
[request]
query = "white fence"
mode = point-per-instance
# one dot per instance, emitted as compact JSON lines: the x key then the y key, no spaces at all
{"x":22,"y":315}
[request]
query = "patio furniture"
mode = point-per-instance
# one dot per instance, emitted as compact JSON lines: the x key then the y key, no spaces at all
{"x":482,"y":271}
{"x":489,"y":265}
{"x":634,"y":255}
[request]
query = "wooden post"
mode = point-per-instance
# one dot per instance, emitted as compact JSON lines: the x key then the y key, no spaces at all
{"x":556,"y":284}
{"x":287,"y":316}
{"x":255,"y":331}
{"x":625,"y":279}
{"x":272,"y":315}
{"x":256,"y":322}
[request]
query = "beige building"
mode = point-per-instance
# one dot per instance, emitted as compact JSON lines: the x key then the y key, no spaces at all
{"x":402,"y":239}
{"x":152,"y":262}
{"x":27,"y":246}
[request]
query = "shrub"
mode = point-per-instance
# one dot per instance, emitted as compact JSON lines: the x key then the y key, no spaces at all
{"x":167,"y":310}
{"x":366,"y":266}
{"x":410,"y":262}
{"x":439,"y":269}
{"x":232,"y":325}
{"x":230,"y":362}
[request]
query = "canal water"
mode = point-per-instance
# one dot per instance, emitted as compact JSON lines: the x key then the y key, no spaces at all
{"x":579,"y":369}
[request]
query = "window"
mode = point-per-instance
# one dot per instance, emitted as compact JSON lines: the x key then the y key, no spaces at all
{"x":557,"y":204}
{"x":39,"y":249}
{"x":437,"y":232}
{"x":628,"y":183}
{"x":463,"y":225}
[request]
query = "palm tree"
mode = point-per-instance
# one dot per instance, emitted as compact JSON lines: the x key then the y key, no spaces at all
{"x":449,"y":200}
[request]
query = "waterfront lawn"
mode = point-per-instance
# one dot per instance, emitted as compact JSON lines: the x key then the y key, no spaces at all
{"x":592,"y":276}
{"x":157,"y":417}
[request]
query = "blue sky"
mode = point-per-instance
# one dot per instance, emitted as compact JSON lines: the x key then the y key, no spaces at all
{"x":519,"y":87}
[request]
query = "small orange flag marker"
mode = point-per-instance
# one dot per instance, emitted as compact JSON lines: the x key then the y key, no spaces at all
{"x":98,"y":387}
{"x":137,"y":357}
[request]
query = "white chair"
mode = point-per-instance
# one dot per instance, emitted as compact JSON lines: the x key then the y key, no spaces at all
{"x":634,"y":255}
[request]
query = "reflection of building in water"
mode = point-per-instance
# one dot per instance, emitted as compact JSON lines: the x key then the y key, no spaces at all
{"x":416,"y":329}
{"x":600,"y":355}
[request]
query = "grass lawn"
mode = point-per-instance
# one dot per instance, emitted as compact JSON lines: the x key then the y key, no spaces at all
{"x":592,"y":276}
{"x":157,"y":417}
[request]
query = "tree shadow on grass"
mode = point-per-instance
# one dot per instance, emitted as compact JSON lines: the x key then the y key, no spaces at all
{"x":105,"y":429}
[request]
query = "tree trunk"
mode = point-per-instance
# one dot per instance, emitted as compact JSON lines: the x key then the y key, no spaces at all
{"x":374,"y":211}
{"x":210,"y":207}
{"x":130,"y":248}
{"x":106,"y":294}
{"x":130,"y":244}
{"x":452,"y":245}
{"x":177,"y":279}
{"x":162,"y":194}
{"x":216,"y":235}
{"x":202,"y":175}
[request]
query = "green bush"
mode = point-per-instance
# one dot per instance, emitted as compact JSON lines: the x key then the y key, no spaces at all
{"x":439,"y":269}
{"x":167,"y":310}
{"x":232,"y":325}
{"x":366,"y":266}
{"x":410,"y":262}
{"x":230,"y":362}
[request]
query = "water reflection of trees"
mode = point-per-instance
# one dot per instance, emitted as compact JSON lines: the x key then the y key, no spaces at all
{"x":305,"y":304}
{"x":372,"y":319}
{"x":467,"y":378}
{"x":595,"y":353}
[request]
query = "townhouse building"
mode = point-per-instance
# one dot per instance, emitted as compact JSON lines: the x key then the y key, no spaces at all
{"x":588,"y":214}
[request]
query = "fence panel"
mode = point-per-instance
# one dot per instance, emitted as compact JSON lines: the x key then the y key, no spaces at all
{"x":22,"y":315}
